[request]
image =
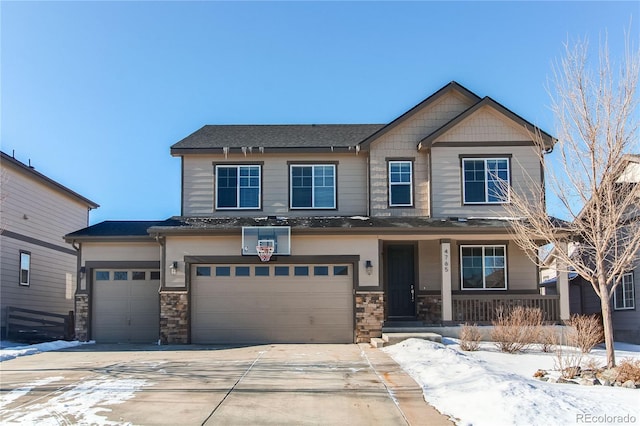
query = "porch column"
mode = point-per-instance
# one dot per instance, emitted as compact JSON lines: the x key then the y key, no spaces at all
{"x":445,"y":259}
{"x":563,"y":285}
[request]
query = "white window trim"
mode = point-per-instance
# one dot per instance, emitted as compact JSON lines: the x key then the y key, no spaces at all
{"x":484,"y":284}
{"x":313,"y":187}
{"x":238,"y":167}
{"x":486,"y":181}
{"x":633,"y":294}
{"x":410,"y":183}
{"x":20,"y":269}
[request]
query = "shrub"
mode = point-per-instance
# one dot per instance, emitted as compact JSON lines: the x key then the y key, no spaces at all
{"x":548,"y":338}
{"x":470,"y":337}
{"x":568,"y":361}
{"x":629,"y":369}
{"x":587,"y":332}
{"x":517,"y":330}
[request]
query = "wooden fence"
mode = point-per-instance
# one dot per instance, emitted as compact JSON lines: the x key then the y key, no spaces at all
{"x":33,"y":326}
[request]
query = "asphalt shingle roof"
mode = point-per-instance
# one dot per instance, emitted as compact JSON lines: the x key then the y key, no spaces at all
{"x":277,"y":136}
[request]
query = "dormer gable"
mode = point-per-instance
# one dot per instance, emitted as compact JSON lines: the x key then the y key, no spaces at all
{"x":452,"y":89}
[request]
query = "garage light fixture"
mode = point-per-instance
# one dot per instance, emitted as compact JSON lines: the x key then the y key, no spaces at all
{"x":174,"y":267}
{"x":369,"y":266}
{"x":82,"y":271}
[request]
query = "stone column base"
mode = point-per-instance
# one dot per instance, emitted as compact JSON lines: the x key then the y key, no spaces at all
{"x":82,"y":317}
{"x":369,"y":315}
{"x":174,"y":317}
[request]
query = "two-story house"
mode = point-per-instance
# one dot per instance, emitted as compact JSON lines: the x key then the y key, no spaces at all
{"x":37,"y":269}
{"x":367,"y":223}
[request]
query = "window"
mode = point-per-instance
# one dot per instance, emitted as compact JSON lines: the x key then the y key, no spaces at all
{"x":154,"y":275}
{"x":102,"y":276}
{"x":281,"y":271}
{"x":624,"y":296}
{"x":301,"y":271}
{"x":320,"y":271}
{"x":237,"y":187}
{"x":120,"y":276}
{"x":203,"y":271}
{"x":400,"y":183}
{"x":223,"y":271}
{"x":485,"y":180}
{"x":262,"y":271}
{"x":483,"y":267}
{"x":138,"y":275}
{"x":340,"y":270}
{"x":25,"y":268}
{"x":313,"y":187}
{"x":242,"y":271}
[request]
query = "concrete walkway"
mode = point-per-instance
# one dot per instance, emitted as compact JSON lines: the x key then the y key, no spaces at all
{"x":261,"y":385}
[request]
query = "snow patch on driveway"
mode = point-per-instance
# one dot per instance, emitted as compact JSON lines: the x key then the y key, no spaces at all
{"x":80,"y":403}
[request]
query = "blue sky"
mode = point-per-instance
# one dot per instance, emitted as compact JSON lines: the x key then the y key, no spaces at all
{"x":95,"y":93}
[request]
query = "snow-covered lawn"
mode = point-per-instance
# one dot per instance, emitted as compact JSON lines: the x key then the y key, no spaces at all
{"x":489,"y":387}
{"x":10,"y":350}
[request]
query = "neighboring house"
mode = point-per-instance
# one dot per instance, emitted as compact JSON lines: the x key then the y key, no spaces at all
{"x":38,"y":270}
{"x":370,"y":224}
{"x":582,"y":297}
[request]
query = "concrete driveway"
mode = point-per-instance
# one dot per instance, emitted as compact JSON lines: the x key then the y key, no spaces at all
{"x":198,"y":385}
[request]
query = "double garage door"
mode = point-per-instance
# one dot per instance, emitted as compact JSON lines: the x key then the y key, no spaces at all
{"x":269,"y":303}
{"x":126,"y":306}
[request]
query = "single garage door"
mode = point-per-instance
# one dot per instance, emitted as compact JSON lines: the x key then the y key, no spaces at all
{"x":272,"y":304}
{"x":126,"y":306}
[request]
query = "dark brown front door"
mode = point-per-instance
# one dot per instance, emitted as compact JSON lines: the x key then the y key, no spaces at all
{"x":401,"y":280}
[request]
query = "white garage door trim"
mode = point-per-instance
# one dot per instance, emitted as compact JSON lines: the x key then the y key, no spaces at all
{"x":272,"y":303}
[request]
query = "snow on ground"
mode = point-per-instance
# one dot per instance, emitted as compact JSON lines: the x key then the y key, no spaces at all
{"x":488,"y":387}
{"x":76,"y":403}
{"x":12,"y":350}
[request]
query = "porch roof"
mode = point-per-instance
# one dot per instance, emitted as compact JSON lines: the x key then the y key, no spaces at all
{"x":337,"y":224}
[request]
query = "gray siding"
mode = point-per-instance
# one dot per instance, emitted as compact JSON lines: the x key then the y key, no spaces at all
{"x":626,"y":324}
{"x":199,"y":184}
{"x":35,"y":218}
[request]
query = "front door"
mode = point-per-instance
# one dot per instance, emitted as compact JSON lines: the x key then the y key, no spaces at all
{"x":401,"y":280}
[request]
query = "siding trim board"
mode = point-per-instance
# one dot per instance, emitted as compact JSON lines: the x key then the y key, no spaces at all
{"x":35,"y":241}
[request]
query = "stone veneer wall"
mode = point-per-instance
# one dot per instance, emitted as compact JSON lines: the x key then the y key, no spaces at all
{"x":369,"y":315}
{"x":82,"y":317}
{"x":430,"y":308}
{"x":174,"y":317}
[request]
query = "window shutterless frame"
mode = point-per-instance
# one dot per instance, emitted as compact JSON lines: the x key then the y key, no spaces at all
{"x":483,"y":180}
{"x":624,"y":296}
{"x":25,"y":268}
{"x":481,"y":263}
{"x":238,"y":187}
{"x":312,"y":186}
{"x":400,"y":181}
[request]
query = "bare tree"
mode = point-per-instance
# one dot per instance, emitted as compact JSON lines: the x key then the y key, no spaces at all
{"x":597,"y":113}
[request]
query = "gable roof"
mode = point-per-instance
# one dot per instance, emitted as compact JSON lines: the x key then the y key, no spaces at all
{"x":452,"y":86}
{"x":31,"y":172}
{"x":305,"y":137}
{"x":427,"y":142}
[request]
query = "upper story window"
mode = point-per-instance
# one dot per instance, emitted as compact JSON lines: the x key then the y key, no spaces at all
{"x":624,"y":296}
{"x":237,"y":187}
{"x":483,"y":267}
{"x":485,"y":180}
{"x":25,"y":268}
{"x":400,"y":183}
{"x":313,"y":186}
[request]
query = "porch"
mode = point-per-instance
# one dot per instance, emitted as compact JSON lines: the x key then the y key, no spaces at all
{"x":483,"y":308}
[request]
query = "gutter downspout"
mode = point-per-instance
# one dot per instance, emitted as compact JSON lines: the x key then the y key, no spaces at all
{"x":163,"y":253}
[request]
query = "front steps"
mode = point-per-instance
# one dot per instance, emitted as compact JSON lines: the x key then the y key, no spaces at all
{"x":397,"y":331}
